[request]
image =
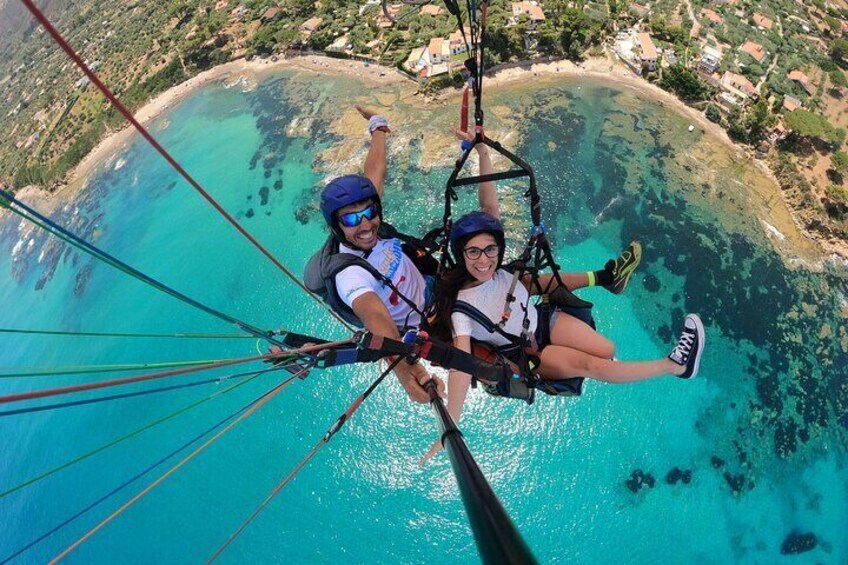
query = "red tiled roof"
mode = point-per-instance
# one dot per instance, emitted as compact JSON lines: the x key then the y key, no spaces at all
{"x":790,"y":103}
{"x":803,"y":80}
{"x":755,"y":50}
{"x":762,"y":21}
{"x":711,"y":15}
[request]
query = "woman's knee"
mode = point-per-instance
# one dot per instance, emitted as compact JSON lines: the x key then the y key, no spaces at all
{"x":563,"y":362}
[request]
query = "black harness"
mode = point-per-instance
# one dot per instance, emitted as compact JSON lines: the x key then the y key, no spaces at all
{"x":321,"y":269}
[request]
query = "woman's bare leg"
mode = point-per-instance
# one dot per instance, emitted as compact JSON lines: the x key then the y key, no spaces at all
{"x":564,"y":362}
{"x":570,"y":332}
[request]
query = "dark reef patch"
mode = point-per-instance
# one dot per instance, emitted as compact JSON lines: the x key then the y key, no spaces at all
{"x":796,"y":543}
{"x":676,"y":475}
{"x":735,"y":482}
{"x":652,"y":283}
{"x":639,"y":479}
{"x":82,"y":278}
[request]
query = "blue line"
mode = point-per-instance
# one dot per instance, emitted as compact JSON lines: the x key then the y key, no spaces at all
{"x":129,"y":394}
{"x":109,"y":259}
{"x":127,"y":483}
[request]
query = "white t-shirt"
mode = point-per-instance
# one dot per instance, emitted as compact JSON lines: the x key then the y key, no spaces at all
{"x":388,"y":258}
{"x":490,"y":298}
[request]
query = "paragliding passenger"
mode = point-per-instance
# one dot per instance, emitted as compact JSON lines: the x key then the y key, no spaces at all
{"x":471,"y":297}
{"x":377,"y":278}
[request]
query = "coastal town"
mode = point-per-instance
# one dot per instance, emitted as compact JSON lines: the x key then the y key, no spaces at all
{"x":772,"y":74}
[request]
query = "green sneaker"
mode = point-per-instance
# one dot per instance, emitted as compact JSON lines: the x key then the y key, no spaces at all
{"x":623,"y":267}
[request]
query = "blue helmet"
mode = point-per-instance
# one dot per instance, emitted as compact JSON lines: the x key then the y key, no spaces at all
{"x":345,"y":191}
{"x":470,"y":225}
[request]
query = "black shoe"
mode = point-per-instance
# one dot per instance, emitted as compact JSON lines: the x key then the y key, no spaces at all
{"x":563,"y":298}
{"x":623,"y":267}
{"x":687,"y":352}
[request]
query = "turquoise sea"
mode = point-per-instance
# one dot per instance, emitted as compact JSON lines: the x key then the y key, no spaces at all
{"x":760,"y":436}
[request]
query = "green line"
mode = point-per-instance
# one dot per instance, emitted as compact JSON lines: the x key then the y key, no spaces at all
{"x":125,"y":437}
{"x":106,"y":334}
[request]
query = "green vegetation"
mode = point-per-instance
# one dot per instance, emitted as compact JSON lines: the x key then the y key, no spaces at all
{"x":839,"y":52}
{"x":713,"y":114}
{"x":684,"y":83}
{"x":838,"y":193}
{"x":140,"y":49}
{"x":808,"y":124}
{"x":839,"y":162}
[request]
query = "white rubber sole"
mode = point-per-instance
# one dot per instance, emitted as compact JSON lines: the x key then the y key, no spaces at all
{"x":702,"y":341}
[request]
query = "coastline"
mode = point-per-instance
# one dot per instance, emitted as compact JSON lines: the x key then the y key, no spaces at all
{"x":602,"y":69}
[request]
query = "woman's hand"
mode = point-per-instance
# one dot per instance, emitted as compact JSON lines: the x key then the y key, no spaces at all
{"x":434,"y":449}
{"x":469,"y":137}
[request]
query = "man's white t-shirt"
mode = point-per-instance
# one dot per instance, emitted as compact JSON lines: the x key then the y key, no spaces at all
{"x":388,"y":258}
{"x":490,"y":299}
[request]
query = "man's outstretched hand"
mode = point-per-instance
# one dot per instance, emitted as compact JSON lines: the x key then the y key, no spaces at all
{"x":365,"y":112}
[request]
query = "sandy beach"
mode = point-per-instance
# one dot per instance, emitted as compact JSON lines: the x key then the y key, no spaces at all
{"x":251,"y":72}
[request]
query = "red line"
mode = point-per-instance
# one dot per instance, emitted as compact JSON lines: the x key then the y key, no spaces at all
{"x":162,"y":374}
{"x":123,"y":381}
{"x":57,"y":37}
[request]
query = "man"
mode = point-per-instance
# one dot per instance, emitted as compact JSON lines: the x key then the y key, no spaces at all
{"x":372,"y":278}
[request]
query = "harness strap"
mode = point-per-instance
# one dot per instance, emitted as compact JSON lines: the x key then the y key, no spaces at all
{"x":475,"y":314}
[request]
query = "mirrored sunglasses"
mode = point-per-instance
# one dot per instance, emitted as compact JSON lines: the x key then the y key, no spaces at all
{"x":353,"y":219}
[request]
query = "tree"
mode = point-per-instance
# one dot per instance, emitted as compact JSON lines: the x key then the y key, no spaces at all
{"x":838,"y":78}
{"x":839,"y":161}
{"x":684,"y":83}
{"x":713,"y":114}
{"x":808,"y":124}
{"x":839,"y":51}
{"x":758,"y":121}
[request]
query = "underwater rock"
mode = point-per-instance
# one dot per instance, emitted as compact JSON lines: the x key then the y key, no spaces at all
{"x":651,"y":283}
{"x":664,"y":333}
{"x":278,"y":184}
{"x":717,"y":462}
{"x":249,"y":213}
{"x":82,"y":279}
{"x":785,"y":438}
{"x":263,"y":195}
{"x":677,"y":474}
{"x":255,"y":159}
{"x":736,"y":482}
{"x":638,"y":479}
{"x":302,"y":215}
{"x":268,"y":173}
{"x":795,"y":543}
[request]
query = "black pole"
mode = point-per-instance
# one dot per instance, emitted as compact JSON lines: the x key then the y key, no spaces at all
{"x":498,"y":540}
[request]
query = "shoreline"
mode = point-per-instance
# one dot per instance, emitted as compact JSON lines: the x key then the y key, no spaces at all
{"x":602,"y":69}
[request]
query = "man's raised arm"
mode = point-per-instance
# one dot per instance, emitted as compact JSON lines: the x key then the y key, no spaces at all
{"x":375,"y":161}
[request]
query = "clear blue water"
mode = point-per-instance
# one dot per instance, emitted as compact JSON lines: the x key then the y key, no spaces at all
{"x":770,"y":405}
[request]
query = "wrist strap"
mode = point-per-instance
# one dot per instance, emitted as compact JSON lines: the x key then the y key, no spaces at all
{"x":378,"y":123}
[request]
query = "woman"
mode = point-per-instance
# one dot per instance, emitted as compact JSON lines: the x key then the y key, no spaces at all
{"x":574,"y":350}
